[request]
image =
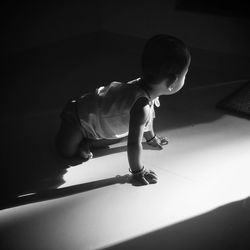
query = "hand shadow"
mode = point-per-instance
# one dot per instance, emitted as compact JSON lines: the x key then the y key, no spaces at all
{"x":44,"y":186}
{"x":49,"y":194}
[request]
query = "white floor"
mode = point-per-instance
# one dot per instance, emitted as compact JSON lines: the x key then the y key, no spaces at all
{"x":205,"y":166}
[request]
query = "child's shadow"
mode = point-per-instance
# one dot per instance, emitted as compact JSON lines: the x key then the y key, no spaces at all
{"x":48,"y":194}
{"x":35,"y":171}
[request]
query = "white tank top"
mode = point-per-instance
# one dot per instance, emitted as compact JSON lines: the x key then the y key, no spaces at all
{"x":105,"y":114}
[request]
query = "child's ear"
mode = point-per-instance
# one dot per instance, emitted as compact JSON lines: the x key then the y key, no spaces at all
{"x":171,"y":79}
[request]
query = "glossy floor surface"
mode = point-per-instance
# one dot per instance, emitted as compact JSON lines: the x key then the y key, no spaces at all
{"x":200,"y":202}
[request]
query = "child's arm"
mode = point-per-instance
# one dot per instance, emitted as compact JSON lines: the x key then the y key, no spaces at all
{"x":152,"y":139}
{"x":138,"y":118}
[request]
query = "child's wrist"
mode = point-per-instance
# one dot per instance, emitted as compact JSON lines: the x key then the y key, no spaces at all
{"x":137,"y":171}
{"x":151,"y":139}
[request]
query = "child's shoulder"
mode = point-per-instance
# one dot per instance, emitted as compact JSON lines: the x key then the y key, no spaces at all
{"x":117,"y":83}
{"x":134,"y":81}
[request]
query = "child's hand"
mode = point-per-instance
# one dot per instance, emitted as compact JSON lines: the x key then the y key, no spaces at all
{"x":158,"y":142}
{"x":145,"y":177}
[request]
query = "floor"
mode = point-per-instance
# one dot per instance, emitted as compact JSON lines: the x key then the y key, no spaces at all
{"x":202,"y":199}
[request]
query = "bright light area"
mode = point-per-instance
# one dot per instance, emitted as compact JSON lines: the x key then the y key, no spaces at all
{"x":204,"y":167}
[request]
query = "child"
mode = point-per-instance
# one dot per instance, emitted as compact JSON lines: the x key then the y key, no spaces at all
{"x":126,"y":109}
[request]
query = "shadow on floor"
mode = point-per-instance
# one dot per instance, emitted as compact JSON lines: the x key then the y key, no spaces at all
{"x":225,"y":228}
{"x":42,"y":184}
{"x":48,"y":194}
{"x":31,"y":168}
{"x":30,"y":163}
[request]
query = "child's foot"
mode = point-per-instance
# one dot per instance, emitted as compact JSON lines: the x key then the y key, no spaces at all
{"x":86,"y":155}
{"x":85,"y":152}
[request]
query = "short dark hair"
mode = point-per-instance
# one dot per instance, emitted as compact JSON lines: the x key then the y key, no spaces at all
{"x":164,"y":55}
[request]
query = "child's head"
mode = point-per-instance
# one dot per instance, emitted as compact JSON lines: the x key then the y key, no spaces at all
{"x":164,"y":57}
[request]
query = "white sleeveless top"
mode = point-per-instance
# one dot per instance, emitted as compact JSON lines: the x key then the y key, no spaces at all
{"x":105,"y":114}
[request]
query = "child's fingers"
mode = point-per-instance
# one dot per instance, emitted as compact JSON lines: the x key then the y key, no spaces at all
{"x":142,"y":180}
{"x":153,"y":181}
{"x":151,"y":178}
{"x":152,"y":174}
{"x":147,"y":177}
{"x":163,"y":143}
{"x":164,"y":140}
{"x":157,"y":145}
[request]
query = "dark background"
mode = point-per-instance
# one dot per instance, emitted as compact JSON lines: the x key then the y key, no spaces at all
{"x":223,"y":7}
{"x":46,"y":45}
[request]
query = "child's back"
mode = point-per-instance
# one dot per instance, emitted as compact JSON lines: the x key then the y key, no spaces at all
{"x":105,"y":113}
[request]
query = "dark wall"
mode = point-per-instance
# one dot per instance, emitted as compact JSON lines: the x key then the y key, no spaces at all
{"x":206,"y":31}
{"x":54,"y":56}
{"x":33,"y":23}
{"x":29,"y":24}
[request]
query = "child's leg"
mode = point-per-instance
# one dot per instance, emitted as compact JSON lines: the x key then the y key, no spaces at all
{"x":68,"y":139}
